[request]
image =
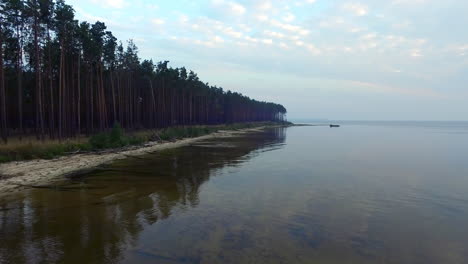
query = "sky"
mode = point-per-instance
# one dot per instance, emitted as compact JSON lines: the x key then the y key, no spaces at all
{"x":321,"y":59}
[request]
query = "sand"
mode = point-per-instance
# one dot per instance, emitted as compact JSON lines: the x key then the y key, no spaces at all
{"x":16,"y":176}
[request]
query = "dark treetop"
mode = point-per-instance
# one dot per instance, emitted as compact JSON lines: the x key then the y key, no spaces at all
{"x":60,"y":77}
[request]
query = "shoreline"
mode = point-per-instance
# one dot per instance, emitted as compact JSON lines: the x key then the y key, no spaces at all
{"x":16,"y":176}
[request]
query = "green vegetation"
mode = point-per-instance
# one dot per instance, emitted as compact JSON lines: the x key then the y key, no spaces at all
{"x":114,"y":139}
{"x":61,"y":78}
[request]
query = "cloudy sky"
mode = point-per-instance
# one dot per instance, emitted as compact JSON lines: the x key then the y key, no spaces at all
{"x":335,"y":59}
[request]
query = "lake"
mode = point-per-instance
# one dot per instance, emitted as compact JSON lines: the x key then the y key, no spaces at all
{"x":367,"y":192}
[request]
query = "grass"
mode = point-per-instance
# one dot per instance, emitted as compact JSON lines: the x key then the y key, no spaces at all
{"x":30,"y":148}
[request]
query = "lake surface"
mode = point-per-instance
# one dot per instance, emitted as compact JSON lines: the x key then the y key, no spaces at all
{"x":369,"y":192}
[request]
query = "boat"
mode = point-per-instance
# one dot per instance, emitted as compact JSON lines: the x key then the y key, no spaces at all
{"x":334,"y":125}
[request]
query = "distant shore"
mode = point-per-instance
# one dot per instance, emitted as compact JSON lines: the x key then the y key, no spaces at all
{"x":19,"y":175}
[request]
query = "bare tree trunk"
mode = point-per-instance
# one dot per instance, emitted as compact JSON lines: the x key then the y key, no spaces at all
{"x":60,"y":93}
{"x":113,"y":97}
{"x":39,"y":108}
{"x":51,"y":89}
{"x":20,"y":84}
{"x":91,"y":103}
{"x":103,"y":98}
{"x":153,"y":109}
{"x":3,"y":115}
{"x":78,"y":110}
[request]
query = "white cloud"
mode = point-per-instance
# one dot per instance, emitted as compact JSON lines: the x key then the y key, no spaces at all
{"x":183,"y":18}
{"x":274,"y":34}
{"x":415,"y":53}
{"x":250,"y":39}
{"x":218,"y":39}
{"x":402,"y":25}
{"x":111,"y":3}
{"x":369,"y":36}
{"x":396,"y":42}
{"x":236,"y":8}
{"x":313,"y":49}
{"x":265,"y":5}
{"x":332,"y":22}
{"x":461,"y":50}
{"x":231,"y":32}
{"x":158,"y":21}
{"x":356,"y":8}
{"x":408,"y":2}
{"x":289,"y":27}
{"x":152,"y":6}
{"x":355,"y":30}
{"x":231,"y":7}
{"x":283,"y":45}
{"x":262,"y":18}
{"x":289,"y":17}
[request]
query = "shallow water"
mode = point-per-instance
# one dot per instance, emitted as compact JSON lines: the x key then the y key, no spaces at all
{"x":362,"y":193}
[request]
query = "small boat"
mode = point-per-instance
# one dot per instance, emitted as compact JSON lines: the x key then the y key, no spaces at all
{"x":334,"y":125}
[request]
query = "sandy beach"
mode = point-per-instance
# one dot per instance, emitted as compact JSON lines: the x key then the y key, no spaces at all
{"x":16,"y":176}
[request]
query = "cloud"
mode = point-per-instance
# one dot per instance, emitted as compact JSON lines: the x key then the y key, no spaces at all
{"x":236,"y":8}
{"x":289,"y":17}
{"x":289,"y":27}
{"x":381,"y":88}
{"x":461,"y":50}
{"x":262,"y":17}
{"x":408,"y":2}
{"x":356,"y":8}
{"x":158,"y":21}
{"x":415,"y":53}
{"x":111,"y":3}
{"x":274,"y":34}
{"x":399,"y":46}
{"x":232,"y":33}
{"x":218,"y":39}
{"x":283,"y":45}
{"x":152,"y":6}
{"x":231,"y":7}
{"x":265,"y":5}
{"x":183,"y":18}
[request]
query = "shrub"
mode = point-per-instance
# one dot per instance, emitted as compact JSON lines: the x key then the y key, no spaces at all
{"x":116,"y":134}
{"x":115,"y":139}
{"x":99,"y":141}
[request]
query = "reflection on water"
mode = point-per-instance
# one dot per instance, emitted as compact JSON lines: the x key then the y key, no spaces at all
{"x":96,"y":218}
{"x":363,"y":193}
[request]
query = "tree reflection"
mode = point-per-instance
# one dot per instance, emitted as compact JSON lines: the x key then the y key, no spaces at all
{"x":104,"y":213}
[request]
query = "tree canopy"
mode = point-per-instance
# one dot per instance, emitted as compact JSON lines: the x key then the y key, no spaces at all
{"x":60,"y":77}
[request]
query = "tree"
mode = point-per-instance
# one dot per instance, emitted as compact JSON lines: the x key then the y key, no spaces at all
{"x":3,"y":116}
{"x":109,"y":49}
{"x":62,"y":77}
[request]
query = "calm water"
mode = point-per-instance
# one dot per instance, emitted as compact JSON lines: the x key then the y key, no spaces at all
{"x":362,"y":193}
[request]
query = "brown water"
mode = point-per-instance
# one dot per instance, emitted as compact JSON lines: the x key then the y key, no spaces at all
{"x":362,"y":193}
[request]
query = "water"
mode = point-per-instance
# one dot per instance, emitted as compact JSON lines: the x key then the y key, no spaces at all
{"x":363,"y":193}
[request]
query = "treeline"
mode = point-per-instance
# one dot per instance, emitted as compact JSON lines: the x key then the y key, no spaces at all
{"x":60,"y":78}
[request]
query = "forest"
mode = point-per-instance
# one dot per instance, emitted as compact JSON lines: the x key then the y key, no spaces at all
{"x":61,"y":78}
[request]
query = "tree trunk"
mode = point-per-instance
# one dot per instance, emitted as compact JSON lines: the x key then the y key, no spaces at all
{"x":113,"y":97}
{"x":60,"y":92}
{"x":3,"y":115}
{"x":51,"y":89}
{"x":78,"y":110}
{"x":39,"y":108}
{"x":19,"y":85}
